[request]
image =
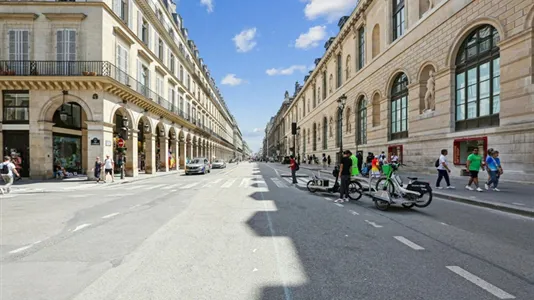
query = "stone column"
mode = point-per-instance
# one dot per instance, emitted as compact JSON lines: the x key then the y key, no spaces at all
{"x":42,"y":156}
{"x":85,"y":159}
{"x":183,"y":154}
{"x":132,"y":160}
{"x":150,"y":153}
{"x":164,"y":153}
{"x":174,"y":148}
{"x":103,"y":132}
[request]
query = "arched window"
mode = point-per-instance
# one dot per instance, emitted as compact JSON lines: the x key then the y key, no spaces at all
{"x":399,"y":108}
{"x":73,"y":113}
{"x":376,"y":41}
{"x":314,"y":137}
{"x":361,"y":115}
{"x":325,"y":133}
{"x":478,"y":80}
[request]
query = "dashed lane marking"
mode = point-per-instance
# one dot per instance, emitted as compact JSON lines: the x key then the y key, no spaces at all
{"x":24,"y":248}
{"x":328,"y":199}
{"x":80,"y":227}
{"x":339,"y":204}
{"x":354,"y":213}
{"x":373,"y":224}
{"x":110,"y":215}
{"x":408,"y":243}
{"x":497,"y":292}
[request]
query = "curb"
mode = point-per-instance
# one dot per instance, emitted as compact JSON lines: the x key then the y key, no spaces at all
{"x":125,"y":181}
{"x":487,"y":204}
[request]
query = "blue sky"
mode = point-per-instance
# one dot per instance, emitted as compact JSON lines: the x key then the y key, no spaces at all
{"x":258,"y":49}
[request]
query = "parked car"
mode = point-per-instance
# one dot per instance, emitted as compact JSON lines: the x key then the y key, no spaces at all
{"x":218,"y":164}
{"x":199,"y":165}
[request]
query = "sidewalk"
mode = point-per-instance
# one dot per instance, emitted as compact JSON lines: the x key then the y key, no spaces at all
{"x":514,"y":197}
{"x":28,"y":186}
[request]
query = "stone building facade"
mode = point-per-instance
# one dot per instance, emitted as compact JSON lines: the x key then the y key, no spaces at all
{"x":420,"y":76}
{"x":86,"y":79}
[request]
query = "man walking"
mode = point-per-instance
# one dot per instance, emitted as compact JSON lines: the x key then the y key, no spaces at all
{"x":443,"y":170}
{"x":344,"y":172}
{"x":109,"y":164}
{"x":495,"y":170}
{"x":293,"y":166}
{"x":7,"y":168}
{"x":324,"y":161}
{"x":474,"y":163}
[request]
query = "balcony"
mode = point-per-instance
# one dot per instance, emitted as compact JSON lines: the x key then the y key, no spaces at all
{"x":12,"y":68}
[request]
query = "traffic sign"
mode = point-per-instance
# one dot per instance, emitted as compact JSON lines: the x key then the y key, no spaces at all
{"x":120,"y":143}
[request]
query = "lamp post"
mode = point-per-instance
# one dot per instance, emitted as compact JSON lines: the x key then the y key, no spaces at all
{"x":124,"y":134}
{"x":341,"y":106}
{"x":295,"y":150}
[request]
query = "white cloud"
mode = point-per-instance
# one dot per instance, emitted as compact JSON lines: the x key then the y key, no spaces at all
{"x":231,"y":80}
{"x":257,"y":130}
{"x":330,"y":9}
{"x":287,"y":71}
{"x":311,"y":38}
{"x":208,"y":4}
{"x":244,"y":41}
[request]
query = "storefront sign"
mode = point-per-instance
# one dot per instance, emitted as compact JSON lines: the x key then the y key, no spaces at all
{"x":95,"y":142}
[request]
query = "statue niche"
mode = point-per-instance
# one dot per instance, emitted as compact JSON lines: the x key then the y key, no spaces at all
{"x":428,"y":90}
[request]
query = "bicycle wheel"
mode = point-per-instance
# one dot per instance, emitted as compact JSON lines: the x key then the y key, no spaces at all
{"x":385,"y":184}
{"x":355,"y":191}
{"x":311,"y":186}
{"x":424,"y":200}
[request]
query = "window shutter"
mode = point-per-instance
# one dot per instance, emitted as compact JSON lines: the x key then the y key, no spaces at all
{"x":139,"y":71}
{"x":71,"y":45}
{"x":59,"y":45}
{"x":130,"y":14}
{"x":149,"y":33}
{"x":12,"y":44}
{"x":117,"y":7}
{"x":118,"y":56}
{"x":156,"y":40}
{"x":25,"y":45}
{"x":125,"y":58}
{"x":139,"y":25}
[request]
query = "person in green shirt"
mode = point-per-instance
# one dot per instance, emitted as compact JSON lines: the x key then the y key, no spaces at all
{"x":355,"y":171}
{"x":474,"y":163}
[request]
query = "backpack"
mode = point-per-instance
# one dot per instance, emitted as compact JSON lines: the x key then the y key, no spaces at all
{"x":436,"y":164}
{"x":297,"y":166}
{"x":324,"y":158}
{"x":5,"y":169}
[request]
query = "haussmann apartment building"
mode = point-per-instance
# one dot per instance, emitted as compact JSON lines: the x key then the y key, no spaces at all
{"x":420,"y":76}
{"x":87,"y":78}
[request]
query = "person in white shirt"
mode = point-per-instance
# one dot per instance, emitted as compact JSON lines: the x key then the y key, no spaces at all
{"x":394,"y":158}
{"x":443,"y":170}
{"x":109,"y":164}
{"x":7,"y":168}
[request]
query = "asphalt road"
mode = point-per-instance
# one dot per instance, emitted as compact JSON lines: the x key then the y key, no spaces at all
{"x":245,"y":233}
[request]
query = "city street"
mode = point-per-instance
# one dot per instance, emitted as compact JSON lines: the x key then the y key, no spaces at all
{"x":245,"y":232}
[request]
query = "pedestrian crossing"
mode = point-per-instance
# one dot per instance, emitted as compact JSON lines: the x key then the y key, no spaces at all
{"x":220,"y":183}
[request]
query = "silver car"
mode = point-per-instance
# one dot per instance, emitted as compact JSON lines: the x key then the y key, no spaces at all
{"x":219,"y":164}
{"x":199,"y":165}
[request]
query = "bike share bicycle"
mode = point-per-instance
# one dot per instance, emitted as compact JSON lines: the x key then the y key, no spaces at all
{"x":319,"y":183}
{"x":416,"y":193}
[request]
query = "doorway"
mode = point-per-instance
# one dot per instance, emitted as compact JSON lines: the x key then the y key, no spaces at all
{"x":17,"y":146}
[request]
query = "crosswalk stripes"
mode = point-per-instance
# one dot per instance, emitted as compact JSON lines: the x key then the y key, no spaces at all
{"x":244,"y":182}
{"x":301,"y":181}
{"x":278,"y":183}
{"x":171,"y":186}
{"x":157,"y":186}
{"x":228,"y":184}
{"x":189,"y":185}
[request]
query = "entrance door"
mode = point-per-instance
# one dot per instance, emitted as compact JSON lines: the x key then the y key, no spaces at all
{"x":17,"y":146}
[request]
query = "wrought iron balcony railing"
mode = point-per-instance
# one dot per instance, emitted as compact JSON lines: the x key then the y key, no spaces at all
{"x":88,"y":68}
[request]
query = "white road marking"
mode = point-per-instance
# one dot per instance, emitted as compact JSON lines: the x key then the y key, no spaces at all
{"x":339,"y":204}
{"x":497,"y":292}
{"x":173,"y":190}
{"x":278,"y":183}
{"x":254,"y":251}
{"x":24,"y":248}
{"x":135,"y":187}
{"x":80,"y":227}
{"x":189,"y":185}
{"x":217,"y":180}
{"x":7,"y":196}
{"x":155,"y":186}
{"x":135,"y":206}
{"x":171,"y":186}
{"x":328,"y":199}
{"x":517,"y":203}
{"x":110,"y":215}
{"x":80,"y":196}
{"x":245,"y":182}
{"x":302,"y":181}
{"x":373,"y":224}
{"x":354,"y":213}
{"x":228,"y":183}
{"x":408,"y":243}
{"x":255,"y":270}
{"x":442,"y":223}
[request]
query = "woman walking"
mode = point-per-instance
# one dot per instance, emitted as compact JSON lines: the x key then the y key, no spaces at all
{"x":495,"y":170}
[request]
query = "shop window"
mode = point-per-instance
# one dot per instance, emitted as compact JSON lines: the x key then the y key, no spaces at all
{"x":67,"y":153}
{"x":395,"y":150}
{"x":464,"y":147}
{"x":16,"y":106}
{"x":73,"y":112}
{"x":478,"y":80}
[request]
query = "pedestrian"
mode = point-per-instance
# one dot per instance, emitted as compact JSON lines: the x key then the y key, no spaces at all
{"x":7,"y":168}
{"x":490,"y":153}
{"x":109,"y":164}
{"x":474,"y":163}
{"x":344,"y":172}
{"x":293,"y":166}
{"x":359,"y":156}
{"x":355,"y":171}
{"x":443,"y":170}
{"x":325,"y":160}
{"x":394,"y":158}
{"x":328,"y":160}
{"x":493,"y":164}
{"x":98,"y":169}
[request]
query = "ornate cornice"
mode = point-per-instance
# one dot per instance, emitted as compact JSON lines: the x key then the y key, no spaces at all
{"x":65,"y":16}
{"x":18,"y":16}
{"x":123,"y":35}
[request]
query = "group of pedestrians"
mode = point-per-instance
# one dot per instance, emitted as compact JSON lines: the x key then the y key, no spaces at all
{"x":475,"y":163}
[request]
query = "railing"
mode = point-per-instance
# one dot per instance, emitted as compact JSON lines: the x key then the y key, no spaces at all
{"x":88,"y":68}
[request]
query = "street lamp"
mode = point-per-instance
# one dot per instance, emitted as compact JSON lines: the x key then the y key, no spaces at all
{"x":295,"y":150}
{"x":341,"y":106}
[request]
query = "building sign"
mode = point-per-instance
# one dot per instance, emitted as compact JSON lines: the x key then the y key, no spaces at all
{"x":463,"y":147}
{"x":95,"y":142}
